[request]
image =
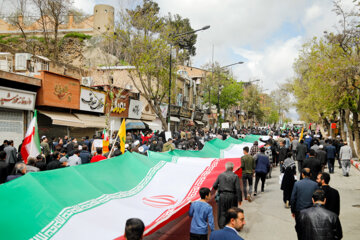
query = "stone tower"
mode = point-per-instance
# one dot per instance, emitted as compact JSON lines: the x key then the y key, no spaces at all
{"x":103,"y":19}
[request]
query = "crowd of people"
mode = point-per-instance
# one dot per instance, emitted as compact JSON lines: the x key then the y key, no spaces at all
{"x":309,"y":198}
{"x":60,"y":152}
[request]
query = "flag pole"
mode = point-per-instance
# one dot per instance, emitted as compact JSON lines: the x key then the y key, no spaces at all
{"x":112,"y":148}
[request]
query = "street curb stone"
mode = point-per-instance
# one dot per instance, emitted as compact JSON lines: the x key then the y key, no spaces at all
{"x":356,"y":164}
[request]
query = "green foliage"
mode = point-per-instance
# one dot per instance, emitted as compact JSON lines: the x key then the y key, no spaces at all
{"x":8,"y":39}
{"x":81,"y":36}
{"x":40,"y":39}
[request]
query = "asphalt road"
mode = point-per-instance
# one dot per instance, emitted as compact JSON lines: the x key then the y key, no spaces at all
{"x":267,"y":218}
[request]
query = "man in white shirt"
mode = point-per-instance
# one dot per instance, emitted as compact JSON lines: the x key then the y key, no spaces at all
{"x":74,"y":159}
{"x":345,"y":156}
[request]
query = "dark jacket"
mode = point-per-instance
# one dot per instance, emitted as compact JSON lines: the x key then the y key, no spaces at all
{"x":318,"y":223}
{"x":228,"y":182}
{"x":54,"y":164}
{"x":225,"y":234}
{"x":332,"y":199}
{"x":301,"y":196}
{"x":282,"y":154}
{"x":262,"y":163}
{"x":321,"y":155}
{"x":331,"y":151}
{"x":301,"y":151}
{"x":85,"y":156}
{"x":3,"y":171}
{"x":315,"y":166}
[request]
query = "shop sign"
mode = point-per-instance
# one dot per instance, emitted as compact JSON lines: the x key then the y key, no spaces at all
{"x":186,"y":113}
{"x":58,"y":91}
{"x":175,"y":110}
{"x":120,"y":108}
{"x":135,"y":109}
{"x":17,"y":99}
{"x":92,"y":100}
{"x":198,"y":116}
{"x":164,"y":110}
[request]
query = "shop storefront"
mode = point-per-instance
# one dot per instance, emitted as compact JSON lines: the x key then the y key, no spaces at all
{"x":175,"y":118}
{"x":198,"y":119}
{"x":66,"y":108}
{"x":16,"y":107}
{"x":185,"y":118}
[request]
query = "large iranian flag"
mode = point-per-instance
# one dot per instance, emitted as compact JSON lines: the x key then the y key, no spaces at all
{"x":93,"y":201}
{"x":31,"y":144}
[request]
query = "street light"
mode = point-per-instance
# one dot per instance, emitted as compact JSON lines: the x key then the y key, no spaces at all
{"x":218,"y":102}
{"x":173,"y":37}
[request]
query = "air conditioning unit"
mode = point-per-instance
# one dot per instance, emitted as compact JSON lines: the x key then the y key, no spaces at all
{"x":21,"y":61}
{"x":86,"y":81}
{"x":4,"y":65}
{"x":129,"y":87}
{"x":186,"y":99}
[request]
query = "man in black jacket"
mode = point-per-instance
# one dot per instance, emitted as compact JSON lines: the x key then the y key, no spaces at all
{"x":228,"y":186}
{"x":301,"y":151}
{"x":318,"y":223}
{"x":3,"y":167}
{"x":282,"y":155}
{"x":313,"y":163}
{"x":321,"y":155}
{"x":332,"y":195}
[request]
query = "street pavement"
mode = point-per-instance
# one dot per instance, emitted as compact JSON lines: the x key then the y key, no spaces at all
{"x":267,"y":218}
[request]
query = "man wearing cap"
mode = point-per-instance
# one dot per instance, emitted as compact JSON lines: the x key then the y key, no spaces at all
{"x":321,"y":155}
{"x":45,"y":148}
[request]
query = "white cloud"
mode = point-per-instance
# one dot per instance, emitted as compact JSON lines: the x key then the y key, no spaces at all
{"x":85,"y":5}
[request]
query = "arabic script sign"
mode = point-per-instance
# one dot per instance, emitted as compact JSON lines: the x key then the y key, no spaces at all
{"x":135,"y":109}
{"x":17,"y":99}
{"x":92,"y":100}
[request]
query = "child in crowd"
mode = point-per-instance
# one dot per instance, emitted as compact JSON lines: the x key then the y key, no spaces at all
{"x":202,"y":215}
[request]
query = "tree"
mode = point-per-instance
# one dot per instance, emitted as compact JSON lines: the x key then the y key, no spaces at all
{"x":57,"y":9}
{"x":142,"y":36}
{"x":251,"y":105}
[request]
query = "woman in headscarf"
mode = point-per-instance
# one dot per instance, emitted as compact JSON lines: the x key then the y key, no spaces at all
{"x":288,"y":180}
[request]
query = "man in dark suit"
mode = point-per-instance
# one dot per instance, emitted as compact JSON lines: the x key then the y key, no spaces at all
{"x":313,"y":163}
{"x":235,"y":221}
{"x":228,"y":186}
{"x":301,"y":196}
{"x":301,"y":151}
{"x":317,"y":222}
{"x":332,"y":195}
{"x":3,"y":167}
{"x":11,"y":158}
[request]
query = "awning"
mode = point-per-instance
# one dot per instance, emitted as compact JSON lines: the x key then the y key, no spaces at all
{"x":134,"y":124}
{"x":174,"y":119}
{"x":91,"y":121}
{"x":153,"y":126}
{"x":198,"y":122}
{"x":63,"y":119}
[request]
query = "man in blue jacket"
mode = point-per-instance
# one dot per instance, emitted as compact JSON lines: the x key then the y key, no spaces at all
{"x":235,"y":221}
{"x":301,"y":196}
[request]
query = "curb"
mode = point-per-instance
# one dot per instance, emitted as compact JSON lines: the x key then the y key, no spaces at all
{"x":356,"y":164}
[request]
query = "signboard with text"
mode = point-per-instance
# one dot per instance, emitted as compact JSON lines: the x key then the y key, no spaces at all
{"x":135,"y":109}
{"x":17,"y":99}
{"x":92,"y":100}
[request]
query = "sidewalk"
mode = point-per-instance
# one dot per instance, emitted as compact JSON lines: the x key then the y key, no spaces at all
{"x":266,"y":217}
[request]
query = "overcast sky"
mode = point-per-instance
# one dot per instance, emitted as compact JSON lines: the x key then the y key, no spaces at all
{"x":265,"y":34}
